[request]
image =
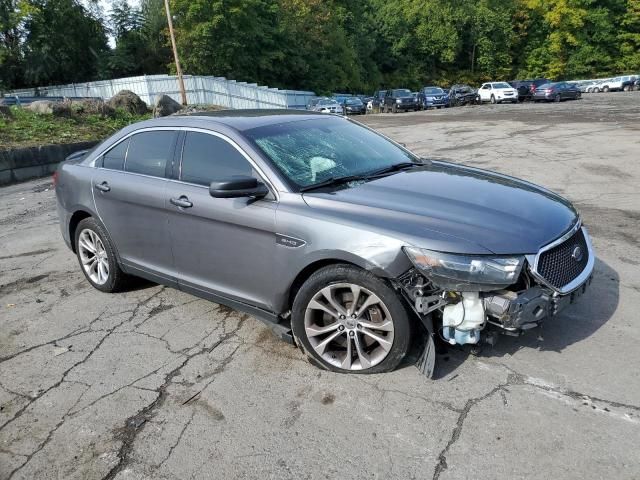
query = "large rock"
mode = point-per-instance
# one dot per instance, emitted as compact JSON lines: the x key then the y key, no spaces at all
{"x":165,"y":105}
{"x":129,"y":101}
{"x":43,"y":107}
{"x":92,"y":106}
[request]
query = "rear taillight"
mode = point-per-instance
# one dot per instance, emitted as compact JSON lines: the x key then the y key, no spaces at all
{"x":54,"y":177}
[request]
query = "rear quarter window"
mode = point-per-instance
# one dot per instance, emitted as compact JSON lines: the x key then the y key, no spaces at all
{"x":114,"y":158}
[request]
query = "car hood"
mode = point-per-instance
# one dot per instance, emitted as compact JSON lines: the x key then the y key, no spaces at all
{"x":453,"y":208}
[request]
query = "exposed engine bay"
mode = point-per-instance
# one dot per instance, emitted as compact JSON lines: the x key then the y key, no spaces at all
{"x":460,"y":318}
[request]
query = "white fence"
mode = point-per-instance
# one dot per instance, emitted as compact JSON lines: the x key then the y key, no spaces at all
{"x":200,"y":90}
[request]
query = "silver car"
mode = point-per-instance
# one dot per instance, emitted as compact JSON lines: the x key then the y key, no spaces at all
{"x":340,"y":239}
{"x":328,"y":105}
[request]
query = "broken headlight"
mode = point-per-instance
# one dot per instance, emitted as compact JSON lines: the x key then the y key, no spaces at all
{"x":466,"y":272}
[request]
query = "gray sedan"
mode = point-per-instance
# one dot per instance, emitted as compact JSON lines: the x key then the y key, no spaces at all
{"x":340,"y":239}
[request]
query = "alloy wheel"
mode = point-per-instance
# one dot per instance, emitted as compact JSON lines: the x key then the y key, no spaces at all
{"x":349,"y":326}
{"x":93,"y":256}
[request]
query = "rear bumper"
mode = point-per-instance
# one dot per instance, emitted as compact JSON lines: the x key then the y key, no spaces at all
{"x":63,"y":222}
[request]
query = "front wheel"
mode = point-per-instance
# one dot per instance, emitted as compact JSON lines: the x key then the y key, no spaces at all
{"x":605,"y":89}
{"x":493,"y":100}
{"x":557,"y":99}
{"x":348,"y":320}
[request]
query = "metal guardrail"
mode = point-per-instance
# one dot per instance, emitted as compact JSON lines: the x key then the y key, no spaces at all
{"x":18,"y":100}
{"x":200,"y":90}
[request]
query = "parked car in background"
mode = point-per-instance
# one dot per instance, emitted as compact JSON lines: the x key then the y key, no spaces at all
{"x":312,"y":103}
{"x":497,"y":92}
{"x":556,"y":92}
{"x":354,"y":106}
{"x":378,"y":99}
{"x":535,"y":84}
{"x":587,"y":87}
{"x":333,"y":235}
{"x":433,"y":97}
{"x":628,"y":82}
{"x":614,"y":84}
{"x":636,"y":84}
{"x":522,"y":86}
{"x":399,"y":100}
{"x":462,"y":94}
{"x":328,"y":105}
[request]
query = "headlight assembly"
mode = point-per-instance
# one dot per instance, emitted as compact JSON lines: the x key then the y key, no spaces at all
{"x":466,"y":272}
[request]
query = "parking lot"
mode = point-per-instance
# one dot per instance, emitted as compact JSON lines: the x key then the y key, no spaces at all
{"x":154,"y":383}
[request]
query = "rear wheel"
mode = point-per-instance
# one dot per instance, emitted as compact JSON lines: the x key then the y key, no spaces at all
{"x":97,"y":257}
{"x":605,"y":89}
{"x":348,"y":320}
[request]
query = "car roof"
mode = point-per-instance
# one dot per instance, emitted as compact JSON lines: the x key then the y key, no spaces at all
{"x":239,"y":120}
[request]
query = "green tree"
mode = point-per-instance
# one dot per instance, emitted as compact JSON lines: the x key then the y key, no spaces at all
{"x":12,"y":15}
{"x":63,"y":43}
{"x":629,"y":38}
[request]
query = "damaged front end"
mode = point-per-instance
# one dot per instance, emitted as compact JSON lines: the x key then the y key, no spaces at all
{"x":462,"y":298}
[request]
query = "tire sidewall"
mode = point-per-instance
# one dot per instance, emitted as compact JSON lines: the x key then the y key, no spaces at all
{"x":349,"y":274}
{"x":112,"y":281}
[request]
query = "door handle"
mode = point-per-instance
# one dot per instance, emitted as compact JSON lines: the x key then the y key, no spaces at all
{"x":182,"y":202}
{"x":103,"y":187}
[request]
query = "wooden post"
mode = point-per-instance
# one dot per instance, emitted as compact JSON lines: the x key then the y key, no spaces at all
{"x":183,"y":93}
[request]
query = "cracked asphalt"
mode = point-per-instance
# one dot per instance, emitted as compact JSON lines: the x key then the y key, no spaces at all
{"x":157,"y":384}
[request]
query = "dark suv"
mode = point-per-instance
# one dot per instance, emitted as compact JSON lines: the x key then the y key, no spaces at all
{"x":433,"y":97}
{"x":461,"y":94}
{"x":399,"y":99}
{"x":378,"y":98}
{"x":527,"y":88}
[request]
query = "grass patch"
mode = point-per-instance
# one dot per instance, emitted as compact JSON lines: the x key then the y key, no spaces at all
{"x":28,"y":129}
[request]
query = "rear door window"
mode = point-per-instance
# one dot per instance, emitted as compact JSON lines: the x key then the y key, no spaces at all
{"x":149,"y":152}
{"x":206,"y":158}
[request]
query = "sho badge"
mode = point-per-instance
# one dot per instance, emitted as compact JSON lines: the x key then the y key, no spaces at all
{"x":290,"y":242}
{"x":577,"y":253}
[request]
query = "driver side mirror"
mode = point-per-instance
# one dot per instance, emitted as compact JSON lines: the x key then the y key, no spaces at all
{"x":237,"y":187}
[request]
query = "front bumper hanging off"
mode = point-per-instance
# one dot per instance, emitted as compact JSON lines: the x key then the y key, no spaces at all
{"x":526,"y":309}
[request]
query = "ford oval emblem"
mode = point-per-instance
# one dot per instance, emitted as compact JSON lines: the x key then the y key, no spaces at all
{"x":577,"y":253}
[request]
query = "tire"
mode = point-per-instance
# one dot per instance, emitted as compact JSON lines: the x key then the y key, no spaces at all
{"x":596,"y":90}
{"x":557,"y":98}
{"x":605,"y":89}
{"x":394,"y":109}
{"x":493,"y":100}
{"x":310,"y":313}
{"x":105,"y":274}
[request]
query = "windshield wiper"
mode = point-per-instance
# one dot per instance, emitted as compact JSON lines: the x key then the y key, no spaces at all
{"x":333,"y":181}
{"x":394,"y":168}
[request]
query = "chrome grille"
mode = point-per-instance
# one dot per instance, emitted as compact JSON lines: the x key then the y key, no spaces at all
{"x":561,"y":264}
